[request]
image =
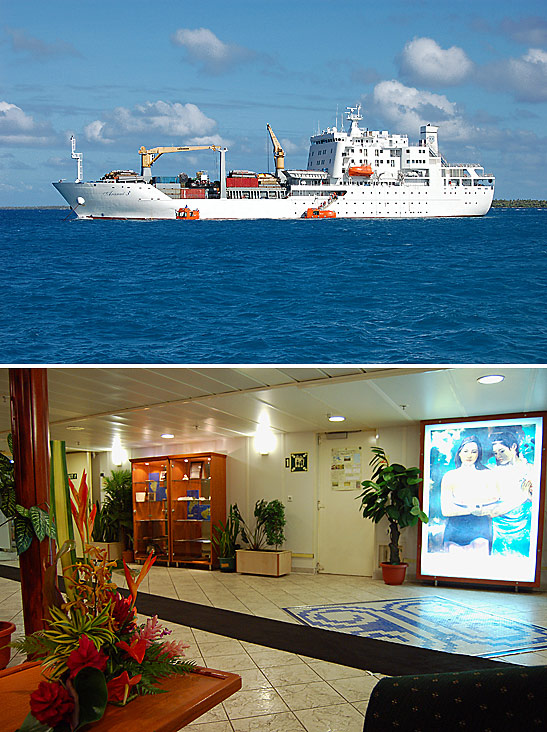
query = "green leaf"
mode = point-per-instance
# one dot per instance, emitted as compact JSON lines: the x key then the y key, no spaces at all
{"x":8,"y":501}
{"x":38,"y":519}
{"x":23,"y":511}
{"x":90,"y":685}
{"x":23,"y":534}
{"x":50,"y":526}
{"x":31,"y":724}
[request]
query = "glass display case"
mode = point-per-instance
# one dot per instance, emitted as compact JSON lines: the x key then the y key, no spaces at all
{"x":190,"y":497}
{"x":151,"y":520}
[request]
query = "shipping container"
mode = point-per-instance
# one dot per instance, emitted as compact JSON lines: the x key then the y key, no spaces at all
{"x":192,"y":192}
{"x":241,"y":182}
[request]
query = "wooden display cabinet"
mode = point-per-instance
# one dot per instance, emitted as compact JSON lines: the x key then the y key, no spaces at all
{"x":150,"y":511}
{"x":193,"y":498}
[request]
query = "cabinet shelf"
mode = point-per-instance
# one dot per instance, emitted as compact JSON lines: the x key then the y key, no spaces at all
{"x":190,"y":521}
{"x":150,"y":520}
{"x":195,"y":541}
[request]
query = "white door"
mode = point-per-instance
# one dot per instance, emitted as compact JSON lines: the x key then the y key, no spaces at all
{"x":345,"y":539}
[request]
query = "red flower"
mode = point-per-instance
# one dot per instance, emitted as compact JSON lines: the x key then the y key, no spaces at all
{"x":122,"y":612}
{"x":136,"y":650}
{"x":86,"y":655}
{"x":51,"y":703}
{"x":118,"y":688}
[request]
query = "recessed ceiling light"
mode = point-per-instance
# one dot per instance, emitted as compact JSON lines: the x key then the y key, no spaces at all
{"x":75,"y":428}
{"x":491,"y":379}
{"x":336,"y":418}
{"x":167,"y":436}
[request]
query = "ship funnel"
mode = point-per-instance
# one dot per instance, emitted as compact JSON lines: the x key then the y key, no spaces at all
{"x":428,"y":137}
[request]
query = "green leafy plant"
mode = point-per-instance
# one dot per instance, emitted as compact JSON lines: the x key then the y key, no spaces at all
{"x":105,"y":528}
{"x":393,"y":493}
{"x":114,"y":517}
{"x":93,"y":650}
{"x":268,"y":528}
{"x":224,"y":535}
{"x":27,"y":522}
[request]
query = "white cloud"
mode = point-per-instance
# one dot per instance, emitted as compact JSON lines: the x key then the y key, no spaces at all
{"x":524,"y":77}
{"x":185,"y":122}
{"x":94,"y":132}
{"x":20,"y":128}
{"x":22,"y":42}
{"x":531,"y":30}
{"x":406,"y":108}
{"x":206,"y":50}
{"x":424,"y":61}
{"x":291,"y":147}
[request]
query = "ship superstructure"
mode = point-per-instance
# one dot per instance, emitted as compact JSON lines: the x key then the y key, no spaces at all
{"x":352,"y":173}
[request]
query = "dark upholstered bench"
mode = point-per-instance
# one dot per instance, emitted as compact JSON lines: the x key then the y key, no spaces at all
{"x":489,"y":700}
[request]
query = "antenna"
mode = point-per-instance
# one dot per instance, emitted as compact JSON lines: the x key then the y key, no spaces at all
{"x":80,"y":158}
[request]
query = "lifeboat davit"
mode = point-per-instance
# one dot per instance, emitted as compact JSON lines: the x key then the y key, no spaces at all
{"x":319,"y":213}
{"x":360,"y":170}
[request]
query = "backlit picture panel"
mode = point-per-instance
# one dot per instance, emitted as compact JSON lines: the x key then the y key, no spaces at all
{"x":482,"y":491}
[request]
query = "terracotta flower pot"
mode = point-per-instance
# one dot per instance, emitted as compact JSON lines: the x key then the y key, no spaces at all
{"x":6,"y":630}
{"x":393,"y":574}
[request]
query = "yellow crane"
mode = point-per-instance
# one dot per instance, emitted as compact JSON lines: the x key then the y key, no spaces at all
{"x":150,"y":155}
{"x":279,"y":153}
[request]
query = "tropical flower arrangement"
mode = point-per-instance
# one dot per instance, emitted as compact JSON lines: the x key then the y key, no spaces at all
{"x":93,"y":650}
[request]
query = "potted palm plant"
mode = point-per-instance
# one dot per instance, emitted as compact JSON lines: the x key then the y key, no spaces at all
{"x":393,"y":493}
{"x":268,"y":531}
{"x":224,"y":538}
{"x":114,"y":519}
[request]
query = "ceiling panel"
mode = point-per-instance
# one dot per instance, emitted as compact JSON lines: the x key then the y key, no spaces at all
{"x":139,"y":404}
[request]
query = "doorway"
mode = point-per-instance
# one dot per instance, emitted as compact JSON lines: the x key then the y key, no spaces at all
{"x":345,"y":540}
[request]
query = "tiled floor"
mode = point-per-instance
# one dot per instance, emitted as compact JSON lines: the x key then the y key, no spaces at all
{"x":284,"y":692}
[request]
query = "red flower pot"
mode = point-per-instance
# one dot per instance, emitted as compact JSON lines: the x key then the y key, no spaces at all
{"x":393,"y":574}
{"x":6,"y":630}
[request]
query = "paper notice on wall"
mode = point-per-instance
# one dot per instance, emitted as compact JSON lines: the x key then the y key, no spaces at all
{"x":345,"y":469}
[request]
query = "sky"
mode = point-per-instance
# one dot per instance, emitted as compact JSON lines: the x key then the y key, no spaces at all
{"x":118,"y":75}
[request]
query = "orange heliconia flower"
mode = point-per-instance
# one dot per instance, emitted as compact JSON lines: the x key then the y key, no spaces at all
{"x":133,"y":584}
{"x":80,"y":510}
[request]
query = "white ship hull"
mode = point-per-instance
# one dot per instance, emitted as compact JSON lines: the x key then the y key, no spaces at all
{"x":143,"y":201}
{"x":355,"y":174}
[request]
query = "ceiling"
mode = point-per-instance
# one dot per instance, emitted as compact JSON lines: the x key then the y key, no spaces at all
{"x":90,"y":407}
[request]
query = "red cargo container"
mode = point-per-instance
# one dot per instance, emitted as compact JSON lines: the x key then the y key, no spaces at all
{"x":192,"y":192}
{"x":241,"y":182}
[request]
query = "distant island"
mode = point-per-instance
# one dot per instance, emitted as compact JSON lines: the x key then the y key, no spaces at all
{"x":518,"y":203}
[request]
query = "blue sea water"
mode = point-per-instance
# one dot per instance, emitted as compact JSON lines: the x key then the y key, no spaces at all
{"x":340,"y":291}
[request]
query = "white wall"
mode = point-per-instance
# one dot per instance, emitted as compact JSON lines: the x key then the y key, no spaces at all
{"x":251,"y":476}
{"x":402,"y":445}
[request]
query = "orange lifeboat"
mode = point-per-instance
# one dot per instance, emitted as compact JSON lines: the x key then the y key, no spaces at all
{"x":187,"y":213}
{"x":319,"y":213}
{"x":360,"y":170}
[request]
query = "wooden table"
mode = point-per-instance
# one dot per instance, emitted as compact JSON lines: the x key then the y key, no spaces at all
{"x":189,"y":697}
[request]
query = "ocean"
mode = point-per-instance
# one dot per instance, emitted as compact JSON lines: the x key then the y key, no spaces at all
{"x":466,"y":290}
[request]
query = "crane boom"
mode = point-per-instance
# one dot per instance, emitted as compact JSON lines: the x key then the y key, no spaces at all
{"x":279,"y":153}
{"x":150,"y":155}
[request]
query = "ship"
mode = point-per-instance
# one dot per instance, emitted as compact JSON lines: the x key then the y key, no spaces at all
{"x":351,"y":173}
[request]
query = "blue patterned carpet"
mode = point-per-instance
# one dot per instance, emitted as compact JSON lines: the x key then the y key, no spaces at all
{"x":427,"y":622}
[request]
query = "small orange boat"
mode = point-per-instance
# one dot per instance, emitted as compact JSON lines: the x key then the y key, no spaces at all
{"x":187,"y":213}
{"x":360,"y":170}
{"x":319,"y":213}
